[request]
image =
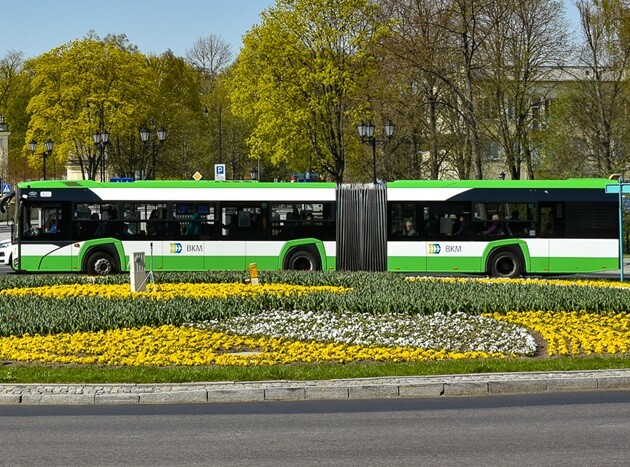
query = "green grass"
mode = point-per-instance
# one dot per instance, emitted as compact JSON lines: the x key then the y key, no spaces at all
{"x":30,"y":373}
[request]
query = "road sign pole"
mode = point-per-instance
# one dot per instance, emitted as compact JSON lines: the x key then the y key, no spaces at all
{"x":620,"y":229}
{"x":620,"y":188}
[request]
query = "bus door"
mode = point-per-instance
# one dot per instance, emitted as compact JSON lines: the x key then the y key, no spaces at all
{"x":448,"y":234}
{"x":229,"y":253}
{"x":407,"y":243}
{"x":46,"y":237}
{"x":141,"y":228}
{"x":185,"y":249}
{"x":551,"y":228}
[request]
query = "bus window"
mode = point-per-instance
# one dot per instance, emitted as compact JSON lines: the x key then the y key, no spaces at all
{"x":51,"y":219}
{"x":155,"y":223}
{"x":551,"y":220}
{"x":244,"y":220}
{"x":520,"y":223}
{"x":43,"y":220}
{"x":491,"y":220}
{"x":31,"y":220}
{"x":86,"y":220}
{"x":443,"y":220}
{"x":302,"y":220}
{"x":403,"y":218}
{"x":196,"y":220}
{"x":591,"y":220}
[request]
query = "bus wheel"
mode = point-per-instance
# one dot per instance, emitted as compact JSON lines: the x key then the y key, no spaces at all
{"x":506,"y":264}
{"x":303,"y":260}
{"x":100,"y":264}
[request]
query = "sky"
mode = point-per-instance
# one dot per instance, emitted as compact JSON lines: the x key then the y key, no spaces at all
{"x":37,"y":26}
{"x":155,"y":26}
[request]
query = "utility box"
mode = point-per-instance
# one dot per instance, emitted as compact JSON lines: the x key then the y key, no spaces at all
{"x":138,"y":272}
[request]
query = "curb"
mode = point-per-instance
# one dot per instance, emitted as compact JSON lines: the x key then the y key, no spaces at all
{"x":339,"y":389}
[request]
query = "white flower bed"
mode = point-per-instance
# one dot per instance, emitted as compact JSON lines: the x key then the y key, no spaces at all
{"x":456,"y":332}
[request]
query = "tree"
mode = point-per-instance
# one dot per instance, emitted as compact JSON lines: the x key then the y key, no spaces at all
{"x":469,"y":28}
{"x":85,"y":86}
{"x":176,"y":105}
{"x":440,"y":42}
{"x":210,"y":55}
{"x":298,"y":79}
{"x":606,"y":30}
{"x":588,"y":135}
{"x":14,"y":96}
{"x":416,"y":58}
{"x":525,"y":47}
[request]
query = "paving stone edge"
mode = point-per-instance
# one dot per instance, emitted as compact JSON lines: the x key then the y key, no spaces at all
{"x":338,"y":389}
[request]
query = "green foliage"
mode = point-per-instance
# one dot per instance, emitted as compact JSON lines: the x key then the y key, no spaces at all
{"x":83,"y":86}
{"x":372,"y":293}
{"x":297,"y":76}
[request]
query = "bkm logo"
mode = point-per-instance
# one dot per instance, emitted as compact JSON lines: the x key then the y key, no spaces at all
{"x":433,"y":248}
{"x":176,"y":247}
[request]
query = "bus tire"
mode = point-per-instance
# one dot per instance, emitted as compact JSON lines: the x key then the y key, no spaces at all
{"x":100,"y":264}
{"x":302,"y":260}
{"x":506,"y":264}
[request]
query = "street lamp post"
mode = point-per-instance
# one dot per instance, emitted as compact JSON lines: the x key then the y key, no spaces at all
{"x":145,"y":135}
{"x":366,"y":132}
{"x":101,"y":139}
{"x":254,"y":173}
{"x":48,"y":146}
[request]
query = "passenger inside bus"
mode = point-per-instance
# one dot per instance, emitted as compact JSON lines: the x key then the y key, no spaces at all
{"x":460,"y":226}
{"x":410,"y":229}
{"x":52,"y":226}
{"x":193,"y":229}
{"x":495,"y":227}
{"x":155,"y":226}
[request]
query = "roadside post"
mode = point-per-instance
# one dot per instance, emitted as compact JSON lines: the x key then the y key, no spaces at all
{"x":253,"y":274}
{"x":138,"y":272}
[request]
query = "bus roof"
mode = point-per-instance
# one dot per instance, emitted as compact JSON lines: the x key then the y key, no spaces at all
{"x":594,"y":183}
{"x":178,"y":190}
{"x":203,"y":184}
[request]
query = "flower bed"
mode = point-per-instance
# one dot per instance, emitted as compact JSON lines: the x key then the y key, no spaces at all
{"x":341,"y":318}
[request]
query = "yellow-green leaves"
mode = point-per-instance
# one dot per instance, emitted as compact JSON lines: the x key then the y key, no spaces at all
{"x":83,"y":86}
{"x":299,"y":75}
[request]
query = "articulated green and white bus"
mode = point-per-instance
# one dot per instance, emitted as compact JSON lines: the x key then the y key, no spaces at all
{"x":501,"y":228}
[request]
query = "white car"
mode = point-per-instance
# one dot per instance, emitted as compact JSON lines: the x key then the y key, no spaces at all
{"x":5,"y":252}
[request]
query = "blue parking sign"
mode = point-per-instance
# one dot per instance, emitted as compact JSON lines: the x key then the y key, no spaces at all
{"x":219,"y":171}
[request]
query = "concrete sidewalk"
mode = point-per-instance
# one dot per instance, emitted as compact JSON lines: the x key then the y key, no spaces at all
{"x":340,"y":389}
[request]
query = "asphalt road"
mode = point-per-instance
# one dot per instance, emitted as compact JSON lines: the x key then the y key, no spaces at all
{"x":586,"y":428}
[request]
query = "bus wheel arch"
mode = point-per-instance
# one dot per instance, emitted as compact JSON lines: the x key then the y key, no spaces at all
{"x":101,"y":262}
{"x":506,"y":263}
{"x":303,"y":258}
